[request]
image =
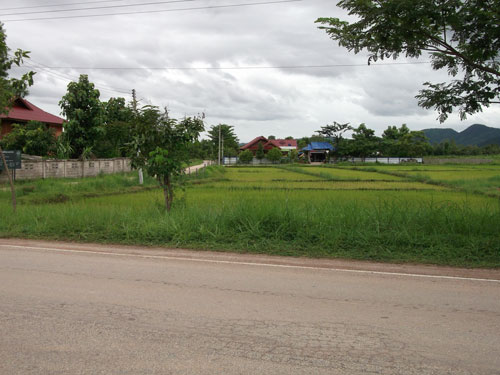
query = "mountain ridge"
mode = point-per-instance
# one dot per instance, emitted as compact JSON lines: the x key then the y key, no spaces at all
{"x":475,"y":135}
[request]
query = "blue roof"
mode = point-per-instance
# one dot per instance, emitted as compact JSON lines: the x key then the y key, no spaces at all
{"x":318,"y":146}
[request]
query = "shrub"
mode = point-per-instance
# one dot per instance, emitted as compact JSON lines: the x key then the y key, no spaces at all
{"x":274,"y":155}
{"x":246,"y":157}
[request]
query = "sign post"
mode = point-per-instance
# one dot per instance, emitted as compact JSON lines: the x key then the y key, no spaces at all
{"x":10,"y":160}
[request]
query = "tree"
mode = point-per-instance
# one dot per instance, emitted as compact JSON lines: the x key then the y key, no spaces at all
{"x":230,"y":141}
{"x":161,"y":146}
{"x":364,"y":142}
{"x":274,"y":155}
{"x":415,"y":144}
{"x":10,"y":88}
{"x":116,"y":110}
{"x":85,"y":115}
{"x":294,"y":156}
{"x":391,"y":140}
{"x":462,"y":37}
{"x":246,"y":157}
{"x":335,"y":132}
{"x":259,"y":154}
{"x":116,"y":129}
{"x":33,"y":138}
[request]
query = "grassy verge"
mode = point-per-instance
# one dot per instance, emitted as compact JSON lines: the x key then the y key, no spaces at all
{"x":288,"y":215}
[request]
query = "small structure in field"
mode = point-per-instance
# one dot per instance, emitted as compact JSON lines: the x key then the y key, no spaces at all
{"x":23,"y":111}
{"x":318,"y":151}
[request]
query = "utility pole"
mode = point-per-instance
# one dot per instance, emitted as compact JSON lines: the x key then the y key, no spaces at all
{"x":222,"y":150}
{"x":134,"y":107}
{"x":219,"y":144}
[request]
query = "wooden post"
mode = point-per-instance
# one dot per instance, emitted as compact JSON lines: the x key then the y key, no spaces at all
{"x":12,"y":189}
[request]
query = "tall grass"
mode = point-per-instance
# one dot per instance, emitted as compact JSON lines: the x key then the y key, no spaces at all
{"x":231,"y":209}
{"x":454,"y":232}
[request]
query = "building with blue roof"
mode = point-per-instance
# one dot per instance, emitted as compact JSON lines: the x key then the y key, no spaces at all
{"x":318,"y":151}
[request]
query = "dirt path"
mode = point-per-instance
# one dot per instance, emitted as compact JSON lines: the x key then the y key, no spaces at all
{"x":194,"y":168}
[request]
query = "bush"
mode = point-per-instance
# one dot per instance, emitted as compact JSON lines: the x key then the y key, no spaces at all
{"x":246,"y":157}
{"x":33,"y":138}
{"x":274,"y":155}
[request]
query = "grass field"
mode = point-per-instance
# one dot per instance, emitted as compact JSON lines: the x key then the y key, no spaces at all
{"x":478,"y":179}
{"x":428,"y":214}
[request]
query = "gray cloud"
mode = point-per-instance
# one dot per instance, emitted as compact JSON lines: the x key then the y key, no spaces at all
{"x":279,"y":101}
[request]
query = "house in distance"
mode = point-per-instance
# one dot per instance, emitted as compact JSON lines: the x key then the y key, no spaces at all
{"x":317,"y":152}
{"x":285,"y":145}
{"x":23,"y":111}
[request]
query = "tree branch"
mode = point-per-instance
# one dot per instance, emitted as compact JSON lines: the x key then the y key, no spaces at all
{"x":452,"y":51}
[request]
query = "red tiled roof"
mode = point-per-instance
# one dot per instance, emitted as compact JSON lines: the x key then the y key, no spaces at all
{"x":254,"y":142}
{"x":284,"y":142}
{"x":23,"y":110}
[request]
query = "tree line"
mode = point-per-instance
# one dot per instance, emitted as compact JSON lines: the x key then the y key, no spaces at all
{"x":103,"y":129}
{"x":394,"y":142}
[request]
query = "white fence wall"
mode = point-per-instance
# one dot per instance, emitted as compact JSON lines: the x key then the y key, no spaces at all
{"x":384,"y":160}
{"x":255,"y":161}
{"x":70,"y":168}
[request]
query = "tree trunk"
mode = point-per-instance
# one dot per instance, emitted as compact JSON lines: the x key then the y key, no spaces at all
{"x":12,"y":189}
{"x":168,"y":192}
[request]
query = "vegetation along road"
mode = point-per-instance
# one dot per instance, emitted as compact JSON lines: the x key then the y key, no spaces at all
{"x":440,"y":214}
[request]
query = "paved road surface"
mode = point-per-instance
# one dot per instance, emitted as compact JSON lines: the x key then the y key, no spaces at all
{"x":118,"y":310}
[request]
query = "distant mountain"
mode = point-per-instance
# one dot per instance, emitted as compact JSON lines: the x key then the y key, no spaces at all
{"x":438,"y":135}
{"x":477,"y":134}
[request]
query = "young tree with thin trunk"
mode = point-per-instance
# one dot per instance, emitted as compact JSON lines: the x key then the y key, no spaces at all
{"x":161,"y":146}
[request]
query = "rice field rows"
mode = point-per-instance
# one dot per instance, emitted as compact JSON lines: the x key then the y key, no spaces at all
{"x":383,"y":213}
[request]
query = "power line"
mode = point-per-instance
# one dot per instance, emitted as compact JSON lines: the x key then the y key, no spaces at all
{"x":153,"y":11}
{"x":69,"y":77}
{"x":236,"y":67}
{"x":103,"y":7}
{"x":62,"y":4}
{"x":66,"y":77}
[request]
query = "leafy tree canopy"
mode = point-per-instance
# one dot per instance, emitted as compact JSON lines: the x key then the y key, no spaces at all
{"x":462,"y":37}
{"x":246,"y":157}
{"x":116,"y":130}
{"x":231,"y":146}
{"x":260,"y":154}
{"x":116,"y":110}
{"x":84,"y":112}
{"x":161,"y":145}
{"x":33,"y":138}
{"x":274,"y":155}
{"x":335,"y":132}
{"x":364,"y":142}
{"x":11,"y":87}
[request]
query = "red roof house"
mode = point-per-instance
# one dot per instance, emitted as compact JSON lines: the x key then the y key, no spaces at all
{"x":285,"y":145}
{"x":23,"y":111}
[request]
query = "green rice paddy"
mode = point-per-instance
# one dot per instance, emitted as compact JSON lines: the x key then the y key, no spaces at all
{"x":426,"y":214}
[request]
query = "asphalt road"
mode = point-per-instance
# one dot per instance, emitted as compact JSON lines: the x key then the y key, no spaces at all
{"x":92,"y":309}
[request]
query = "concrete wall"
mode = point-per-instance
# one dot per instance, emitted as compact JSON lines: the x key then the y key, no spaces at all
{"x":457,"y":161}
{"x":383,"y":160}
{"x":71,"y":168}
{"x":255,"y":161}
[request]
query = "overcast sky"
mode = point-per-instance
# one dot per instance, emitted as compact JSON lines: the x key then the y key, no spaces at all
{"x":280,"y":102}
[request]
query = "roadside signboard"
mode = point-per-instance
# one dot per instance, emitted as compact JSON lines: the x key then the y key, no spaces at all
{"x":13,"y":159}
